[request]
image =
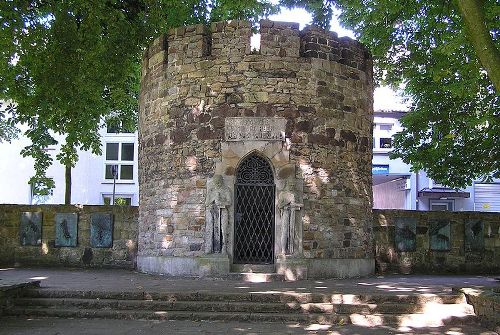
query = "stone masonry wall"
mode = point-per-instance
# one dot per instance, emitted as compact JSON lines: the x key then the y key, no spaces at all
{"x":194,"y":77}
{"x":122,"y":254}
{"x":458,"y":259}
{"x":486,"y":304}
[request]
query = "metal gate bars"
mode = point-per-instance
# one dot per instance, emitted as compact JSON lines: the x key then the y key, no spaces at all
{"x":254,"y":212}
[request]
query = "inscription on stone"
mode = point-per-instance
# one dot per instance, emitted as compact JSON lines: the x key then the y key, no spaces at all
{"x":66,"y":229}
{"x":30,"y":229}
{"x":255,"y":129}
{"x":101,"y":230}
{"x":439,"y":233}
{"x":406,"y":231}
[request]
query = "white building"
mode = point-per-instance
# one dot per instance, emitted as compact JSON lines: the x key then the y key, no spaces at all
{"x":92,"y":178}
{"x":396,"y":187}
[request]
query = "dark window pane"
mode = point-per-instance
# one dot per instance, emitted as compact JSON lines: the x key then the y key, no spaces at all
{"x":127,"y":128}
{"x":127,"y":172}
{"x":109,"y":171}
{"x":112,"y":128}
{"x":107,"y":200}
{"x":116,"y":127}
{"x":123,"y":201}
{"x":127,"y":151}
{"x":112,"y":151}
{"x":386,"y":143}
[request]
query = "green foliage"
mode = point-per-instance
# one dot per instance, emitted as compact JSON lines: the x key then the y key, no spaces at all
{"x":69,"y":65}
{"x":252,"y":10}
{"x":120,"y":202}
{"x":8,"y":129}
{"x":453,"y":129}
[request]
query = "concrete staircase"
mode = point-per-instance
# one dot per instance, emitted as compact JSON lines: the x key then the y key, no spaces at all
{"x":292,"y":306}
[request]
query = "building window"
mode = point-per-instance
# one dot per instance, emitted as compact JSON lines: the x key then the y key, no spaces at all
{"x":119,"y":200}
{"x":385,"y":127}
{"x":442,"y":205}
{"x":117,"y":128}
{"x":119,"y":161}
{"x":385,"y":142}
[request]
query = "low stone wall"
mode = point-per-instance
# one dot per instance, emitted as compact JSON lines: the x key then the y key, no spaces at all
{"x":461,"y":257}
{"x":470,"y":243}
{"x":486,"y":305}
{"x":11,"y":291}
{"x":120,"y":253}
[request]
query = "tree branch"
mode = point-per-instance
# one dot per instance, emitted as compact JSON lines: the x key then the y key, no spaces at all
{"x":479,"y":36}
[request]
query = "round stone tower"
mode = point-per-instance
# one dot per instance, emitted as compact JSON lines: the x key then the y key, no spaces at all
{"x":256,"y":160}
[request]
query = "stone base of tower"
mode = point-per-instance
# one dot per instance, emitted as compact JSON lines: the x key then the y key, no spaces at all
{"x":291,"y":268}
{"x":304,"y":268}
{"x":208,"y":266}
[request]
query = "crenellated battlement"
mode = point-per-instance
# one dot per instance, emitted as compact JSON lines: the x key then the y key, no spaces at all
{"x":231,"y":40}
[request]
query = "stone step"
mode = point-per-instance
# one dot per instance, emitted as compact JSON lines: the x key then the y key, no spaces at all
{"x":255,"y":277}
{"x":245,"y":306}
{"x":253,"y":268}
{"x":267,"y":297}
{"x":404,"y":320}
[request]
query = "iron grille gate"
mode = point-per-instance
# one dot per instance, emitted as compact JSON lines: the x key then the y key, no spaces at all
{"x":254,"y":212}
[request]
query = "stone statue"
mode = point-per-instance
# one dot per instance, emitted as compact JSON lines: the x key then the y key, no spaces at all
{"x":288,"y":203}
{"x":217,"y":202}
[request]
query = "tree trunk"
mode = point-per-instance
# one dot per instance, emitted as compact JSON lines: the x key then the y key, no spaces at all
{"x":67,"y":193}
{"x":479,"y":36}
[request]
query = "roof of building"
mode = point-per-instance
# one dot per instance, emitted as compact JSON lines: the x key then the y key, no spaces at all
{"x":443,"y":192}
{"x":397,"y":113}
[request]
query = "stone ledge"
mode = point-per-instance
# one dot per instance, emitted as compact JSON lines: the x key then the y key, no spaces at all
{"x":486,"y":305}
{"x":340,"y":268}
{"x":291,"y":268}
{"x":7,"y":285}
{"x":11,"y":289}
{"x":184,"y":266}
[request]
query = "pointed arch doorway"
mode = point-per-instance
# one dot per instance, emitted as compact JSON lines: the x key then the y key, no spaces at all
{"x":254,"y":211}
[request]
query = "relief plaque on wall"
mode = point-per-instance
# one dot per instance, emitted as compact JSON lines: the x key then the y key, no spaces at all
{"x":101,"y":230}
{"x":255,"y":128}
{"x":30,"y":228}
{"x":474,"y":235}
{"x":405,"y":234}
{"x":439,"y":235}
{"x":66,"y":229}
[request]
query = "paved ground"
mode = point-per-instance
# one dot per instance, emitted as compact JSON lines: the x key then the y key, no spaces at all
{"x":53,"y":326}
{"x":128,"y":281}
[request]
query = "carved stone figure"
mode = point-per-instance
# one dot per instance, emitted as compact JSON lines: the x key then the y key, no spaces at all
{"x":288,"y":203}
{"x":217,"y":202}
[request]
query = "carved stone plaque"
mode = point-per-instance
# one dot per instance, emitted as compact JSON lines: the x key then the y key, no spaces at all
{"x":101,"y":230}
{"x":439,"y":234}
{"x":474,"y":236}
{"x":406,"y":232}
{"x":30,"y":229}
{"x":255,"y":129}
{"x":66,"y":229}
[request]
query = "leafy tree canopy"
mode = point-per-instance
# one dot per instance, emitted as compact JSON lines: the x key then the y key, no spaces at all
{"x":446,"y":55}
{"x":70,"y":64}
{"x":8,"y":129}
